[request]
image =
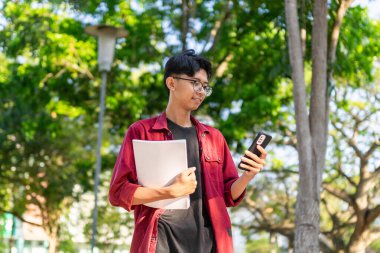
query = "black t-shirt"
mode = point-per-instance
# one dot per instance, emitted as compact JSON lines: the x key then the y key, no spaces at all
{"x":187,"y":230}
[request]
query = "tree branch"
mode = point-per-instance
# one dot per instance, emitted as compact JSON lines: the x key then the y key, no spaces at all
{"x":318,"y":97}
{"x":373,"y":214}
{"x":372,"y":149}
{"x":350,"y":142}
{"x":286,"y":228}
{"x":223,"y":64}
{"x":185,"y":23}
{"x":214,"y":34}
{"x":337,"y":193}
{"x":342,"y":8}
{"x":18,"y":216}
{"x":331,"y":55}
{"x":328,"y":209}
{"x":326,"y":242}
{"x":374,"y":235}
{"x":340,"y":171}
{"x":376,"y":174}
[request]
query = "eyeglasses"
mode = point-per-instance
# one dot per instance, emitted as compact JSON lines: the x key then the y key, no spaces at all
{"x":197,"y":85}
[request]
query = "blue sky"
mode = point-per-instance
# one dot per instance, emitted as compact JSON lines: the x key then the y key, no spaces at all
{"x":373,"y":7}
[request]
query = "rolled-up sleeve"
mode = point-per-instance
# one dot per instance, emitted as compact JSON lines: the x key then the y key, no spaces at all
{"x":124,"y":179}
{"x":230,"y":175}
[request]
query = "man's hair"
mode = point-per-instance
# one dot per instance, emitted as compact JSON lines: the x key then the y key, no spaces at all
{"x":187,"y":63}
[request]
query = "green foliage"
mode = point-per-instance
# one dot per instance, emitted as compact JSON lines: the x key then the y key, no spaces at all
{"x":358,"y":48}
{"x":49,"y":92}
{"x":43,"y":128}
{"x":375,"y":246}
{"x":66,"y":243}
{"x":261,"y":245}
{"x":255,"y":70}
{"x":114,"y":227}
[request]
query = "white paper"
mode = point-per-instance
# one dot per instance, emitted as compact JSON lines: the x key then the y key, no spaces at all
{"x":157,"y":164}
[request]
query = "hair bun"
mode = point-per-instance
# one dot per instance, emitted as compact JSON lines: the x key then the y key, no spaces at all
{"x":189,"y":52}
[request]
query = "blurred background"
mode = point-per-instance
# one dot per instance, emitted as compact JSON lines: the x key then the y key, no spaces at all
{"x":49,"y":106}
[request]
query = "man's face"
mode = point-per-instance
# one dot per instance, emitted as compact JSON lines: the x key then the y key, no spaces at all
{"x":187,"y":93}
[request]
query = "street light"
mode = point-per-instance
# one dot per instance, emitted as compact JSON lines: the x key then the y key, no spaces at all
{"x":107,"y":36}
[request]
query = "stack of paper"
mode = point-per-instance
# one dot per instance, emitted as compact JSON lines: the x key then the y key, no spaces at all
{"x":157,"y":164}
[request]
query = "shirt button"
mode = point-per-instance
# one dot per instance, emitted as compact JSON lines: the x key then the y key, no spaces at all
{"x":203,"y":135}
{"x":207,"y":158}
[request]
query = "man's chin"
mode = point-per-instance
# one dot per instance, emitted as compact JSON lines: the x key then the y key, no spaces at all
{"x":194,"y":108}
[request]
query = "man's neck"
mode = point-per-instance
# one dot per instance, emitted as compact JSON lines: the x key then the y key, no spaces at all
{"x":180,"y":117}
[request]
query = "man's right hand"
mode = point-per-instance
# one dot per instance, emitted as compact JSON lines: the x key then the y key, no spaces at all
{"x":184,"y":183}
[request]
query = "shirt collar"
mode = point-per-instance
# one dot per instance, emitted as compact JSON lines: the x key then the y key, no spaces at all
{"x":162,"y":124}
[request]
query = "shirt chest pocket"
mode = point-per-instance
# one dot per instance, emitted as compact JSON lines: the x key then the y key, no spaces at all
{"x":213,"y":166}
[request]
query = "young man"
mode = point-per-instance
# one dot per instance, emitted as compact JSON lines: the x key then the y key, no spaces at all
{"x":211,"y":180}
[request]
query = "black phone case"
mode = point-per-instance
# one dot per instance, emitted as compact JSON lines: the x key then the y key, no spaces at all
{"x":261,"y":139}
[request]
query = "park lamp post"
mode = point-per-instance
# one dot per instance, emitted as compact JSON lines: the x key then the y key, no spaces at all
{"x":107,"y":36}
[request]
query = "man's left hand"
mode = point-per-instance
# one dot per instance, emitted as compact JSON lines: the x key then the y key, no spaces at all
{"x":253,"y":163}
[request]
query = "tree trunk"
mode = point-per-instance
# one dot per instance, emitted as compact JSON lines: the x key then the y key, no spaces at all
{"x":343,"y":6}
{"x":13,"y":232}
{"x":311,"y":135}
{"x":358,"y":246}
{"x":53,"y":240}
{"x":53,"y":244}
{"x":318,"y":117}
{"x":331,"y":55}
{"x":185,"y":23}
{"x":304,"y":229}
{"x":273,"y":242}
{"x":361,"y":233}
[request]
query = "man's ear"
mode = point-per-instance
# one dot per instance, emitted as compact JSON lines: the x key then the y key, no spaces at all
{"x":170,"y":83}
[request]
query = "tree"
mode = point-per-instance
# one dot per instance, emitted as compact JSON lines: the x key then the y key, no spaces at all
{"x":311,"y":134}
{"x":352,"y":182}
{"x":41,"y":131}
{"x":312,"y":126}
{"x":349,"y":202}
{"x":355,"y":69}
{"x":355,"y":109}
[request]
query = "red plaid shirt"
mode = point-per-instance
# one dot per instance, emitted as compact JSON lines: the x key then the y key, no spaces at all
{"x":218,"y":174}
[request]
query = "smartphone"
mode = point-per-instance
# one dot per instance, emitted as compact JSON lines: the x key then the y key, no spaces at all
{"x":261,"y":139}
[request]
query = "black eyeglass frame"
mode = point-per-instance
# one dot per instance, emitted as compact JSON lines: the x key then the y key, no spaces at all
{"x":206,"y":88}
